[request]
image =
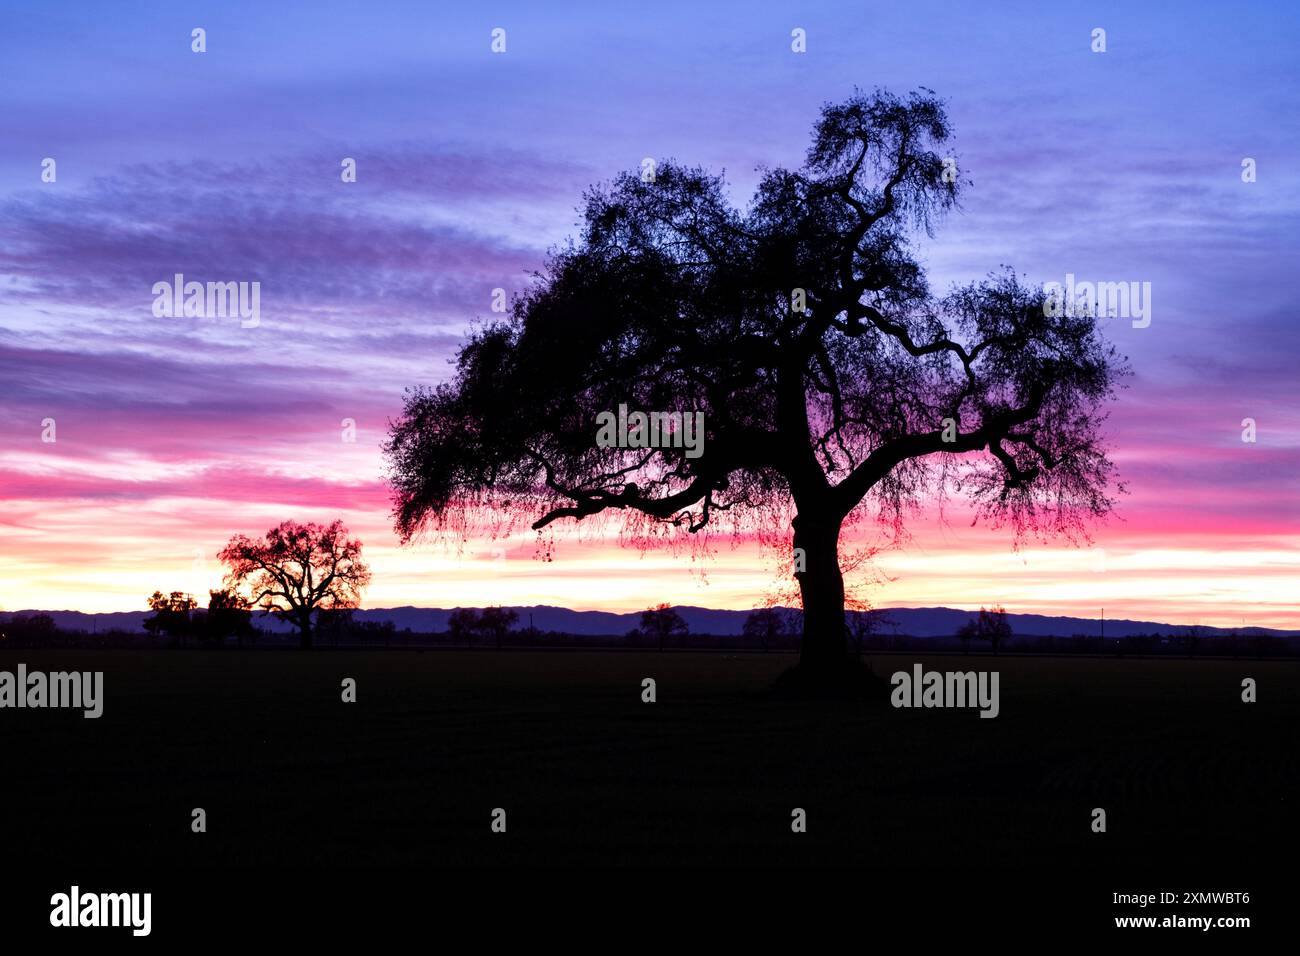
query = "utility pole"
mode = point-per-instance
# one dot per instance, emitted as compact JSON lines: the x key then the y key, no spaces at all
{"x":1103,"y":624}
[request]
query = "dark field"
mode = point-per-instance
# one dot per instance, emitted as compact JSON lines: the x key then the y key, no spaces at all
{"x":588,"y":774}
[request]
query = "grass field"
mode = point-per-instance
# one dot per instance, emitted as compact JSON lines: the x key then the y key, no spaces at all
{"x":588,"y":774}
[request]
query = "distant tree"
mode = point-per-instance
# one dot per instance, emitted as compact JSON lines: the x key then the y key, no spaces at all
{"x":967,"y":631}
{"x":297,"y":569}
{"x":661,"y":622}
{"x":41,"y":627}
{"x":463,"y":625}
{"x":229,"y":613}
{"x":766,"y":625}
{"x":495,"y":622}
{"x":861,"y":625}
{"x":29,"y":630}
{"x":994,"y":626}
{"x":171,"y":615}
{"x":333,"y":624}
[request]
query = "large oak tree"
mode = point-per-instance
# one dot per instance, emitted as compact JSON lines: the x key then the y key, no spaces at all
{"x":832,"y":381}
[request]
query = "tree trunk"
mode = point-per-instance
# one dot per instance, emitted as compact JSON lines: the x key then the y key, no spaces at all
{"x":304,"y":629}
{"x":821,"y":585}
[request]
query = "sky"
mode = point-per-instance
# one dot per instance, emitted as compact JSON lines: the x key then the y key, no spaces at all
{"x":172,"y":434}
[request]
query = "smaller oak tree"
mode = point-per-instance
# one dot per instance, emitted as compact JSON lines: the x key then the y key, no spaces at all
{"x":229,"y":612}
{"x":297,"y":569}
{"x":495,"y":623}
{"x":766,"y":624}
{"x":171,"y":615}
{"x":991,"y":625}
{"x":463,"y":625}
{"x":662,"y":622}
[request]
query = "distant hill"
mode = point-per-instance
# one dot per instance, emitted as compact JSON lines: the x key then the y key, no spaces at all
{"x":914,"y":622}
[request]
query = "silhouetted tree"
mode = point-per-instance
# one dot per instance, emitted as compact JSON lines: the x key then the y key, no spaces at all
{"x":296,"y":569}
{"x":28,"y":630}
{"x":832,"y":383}
{"x":998,"y":627}
{"x":333,"y":624}
{"x":662,"y":622}
{"x":495,"y":622}
{"x":171,"y":615}
{"x":463,"y":624}
{"x":229,"y":612}
{"x":990,"y":625}
{"x":966,"y":632}
{"x":862,"y":626}
{"x":766,"y":625}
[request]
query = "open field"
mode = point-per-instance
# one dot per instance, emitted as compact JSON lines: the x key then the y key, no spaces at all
{"x":588,"y":774}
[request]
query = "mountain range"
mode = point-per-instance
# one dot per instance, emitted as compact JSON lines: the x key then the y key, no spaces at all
{"x":914,"y":622}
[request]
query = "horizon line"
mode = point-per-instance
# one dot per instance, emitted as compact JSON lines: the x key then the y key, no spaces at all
{"x":697,"y":607}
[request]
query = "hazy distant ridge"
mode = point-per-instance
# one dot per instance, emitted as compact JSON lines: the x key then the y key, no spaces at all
{"x":916,"y":622}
